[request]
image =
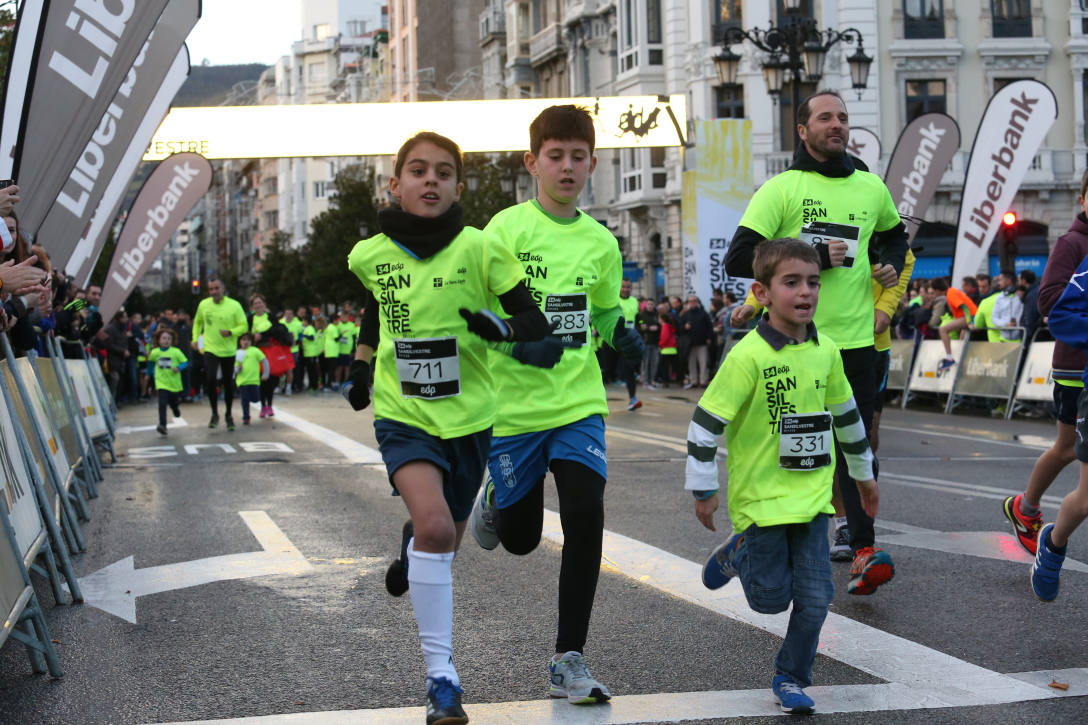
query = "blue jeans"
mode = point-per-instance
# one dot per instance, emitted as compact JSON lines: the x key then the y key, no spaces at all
{"x":249,"y":394}
{"x":780,"y":564}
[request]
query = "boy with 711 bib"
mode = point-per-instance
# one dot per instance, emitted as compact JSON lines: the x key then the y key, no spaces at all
{"x":777,"y":397}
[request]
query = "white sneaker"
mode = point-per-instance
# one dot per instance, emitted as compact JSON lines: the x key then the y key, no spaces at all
{"x":840,"y":546}
{"x":570,"y":678}
{"x":482,"y":521}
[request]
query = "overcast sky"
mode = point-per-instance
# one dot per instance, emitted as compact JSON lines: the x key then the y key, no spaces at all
{"x":244,"y":31}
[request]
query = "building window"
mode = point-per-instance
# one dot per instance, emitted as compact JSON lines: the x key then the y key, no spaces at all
{"x":319,"y":189}
{"x":271,"y":219}
{"x":925,"y":97}
{"x":316,"y":72}
{"x":653,"y":21}
{"x":658,"y":175}
{"x":632,"y":170}
{"x":727,"y":13}
{"x":1012,"y":18}
{"x":628,"y":36}
{"x":923,"y":19}
{"x":730,"y":101}
{"x":322,"y":31}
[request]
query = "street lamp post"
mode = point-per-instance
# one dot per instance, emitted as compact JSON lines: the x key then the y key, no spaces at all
{"x":796,"y":49}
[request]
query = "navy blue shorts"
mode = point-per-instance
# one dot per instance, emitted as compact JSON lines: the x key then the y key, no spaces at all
{"x":344,"y":358}
{"x":518,"y":462}
{"x":1065,"y":403}
{"x":462,"y":460}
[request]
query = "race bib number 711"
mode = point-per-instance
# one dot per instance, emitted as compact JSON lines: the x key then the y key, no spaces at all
{"x":428,"y":367}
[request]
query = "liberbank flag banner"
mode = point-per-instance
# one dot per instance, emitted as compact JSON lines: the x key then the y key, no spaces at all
{"x":922,"y":153}
{"x":715,"y":194}
{"x":71,"y":213}
{"x":1012,"y":129}
{"x":24,"y":49}
{"x":866,"y":146}
{"x":93,"y":237}
{"x":173,"y":189}
{"x":87,"y":49}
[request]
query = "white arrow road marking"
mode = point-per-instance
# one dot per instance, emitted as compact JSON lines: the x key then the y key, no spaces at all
{"x":114,"y":588}
{"x":172,"y":423}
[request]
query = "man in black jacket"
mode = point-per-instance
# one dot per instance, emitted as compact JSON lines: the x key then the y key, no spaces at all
{"x":695,"y":323}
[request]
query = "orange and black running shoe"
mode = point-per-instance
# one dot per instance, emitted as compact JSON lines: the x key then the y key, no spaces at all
{"x":872,"y":567}
{"x":1026,"y":527}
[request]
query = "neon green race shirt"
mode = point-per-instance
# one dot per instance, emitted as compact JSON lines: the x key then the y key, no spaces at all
{"x":347,"y":337}
{"x":250,"y":370}
{"x":814,"y":207}
{"x":311,"y":342}
{"x":430,"y":371}
{"x":573,"y":266}
{"x":210,"y":318}
{"x":295,"y":327}
{"x":166,"y":378}
{"x":331,"y":338}
{"x":754,"y":388}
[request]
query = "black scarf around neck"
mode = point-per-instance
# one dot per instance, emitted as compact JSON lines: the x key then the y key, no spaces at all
{"x":422,"y":236}
{"x":836,"y":168}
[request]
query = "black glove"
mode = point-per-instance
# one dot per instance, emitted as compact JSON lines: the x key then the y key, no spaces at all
{"x":544,"y":353}
{"x":627,"y":342}
{"x":359,"y":378}
{"x":487,"y":325}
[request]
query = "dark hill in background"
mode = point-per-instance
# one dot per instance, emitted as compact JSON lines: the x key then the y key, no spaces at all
{"x":211,"y":85}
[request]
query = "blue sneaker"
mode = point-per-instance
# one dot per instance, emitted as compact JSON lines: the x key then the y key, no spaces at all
{"x":720,"y":567}
{"x":791,"y":698}
{"x":944,"y":364}
{"x":1046,"y":569}
{"x":444,"y":703}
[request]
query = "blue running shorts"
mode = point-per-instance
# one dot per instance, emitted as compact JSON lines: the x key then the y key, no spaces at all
{"x":461,"y":460}
{"x":517,"y":462}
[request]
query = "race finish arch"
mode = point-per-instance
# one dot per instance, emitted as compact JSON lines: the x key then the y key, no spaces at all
{"x":375,"y":129}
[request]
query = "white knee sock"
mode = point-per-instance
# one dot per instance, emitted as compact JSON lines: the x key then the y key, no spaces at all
{"x":430,"y":584}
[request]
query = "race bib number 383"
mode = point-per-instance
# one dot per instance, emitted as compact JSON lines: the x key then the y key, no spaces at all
{"x":804,"y":441}
{"x":428,"y":367}
{"x":571,"y":314}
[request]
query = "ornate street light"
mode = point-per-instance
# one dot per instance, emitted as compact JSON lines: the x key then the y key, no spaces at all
{"x":798,"y":48}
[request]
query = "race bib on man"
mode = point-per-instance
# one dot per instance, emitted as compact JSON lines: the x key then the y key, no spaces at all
{"x":823,"y":233}
{"x":804,"y":441}
{"x":428,"y":368}
{"x":572,"y":315}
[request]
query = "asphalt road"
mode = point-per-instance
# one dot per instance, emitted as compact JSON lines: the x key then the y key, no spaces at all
{"x":295,"y":619}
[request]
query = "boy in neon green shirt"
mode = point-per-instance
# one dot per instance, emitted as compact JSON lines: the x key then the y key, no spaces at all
{"x":553,"y":418}
{"x":331,"y":338}
{"x":168,"y":362}
{"x":250,"y":369}
{"x":777,"y":397}
{"x":434,"y":400}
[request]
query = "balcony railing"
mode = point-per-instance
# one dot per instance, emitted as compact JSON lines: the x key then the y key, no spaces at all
{"x":492,"y":25}
{"x":546,"y":44}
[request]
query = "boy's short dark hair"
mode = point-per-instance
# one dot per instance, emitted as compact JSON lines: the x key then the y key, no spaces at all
{"x":246,"y":336}
{"x":939,"y":284}
{"x":438,"y":140}
{"x":772,"y":253}
{"x":562,"y":123}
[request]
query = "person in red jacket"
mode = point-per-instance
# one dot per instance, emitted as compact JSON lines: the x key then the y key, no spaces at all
{"x":1067,"y":363}
{"x":667,"y":344}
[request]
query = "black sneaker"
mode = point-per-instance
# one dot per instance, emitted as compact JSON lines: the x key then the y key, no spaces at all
{"x":214,"y":421}
{"x":444,"y":703}
{"x":230,"y":423}
{"x":161,"y":429}
{"x":396,"y":577}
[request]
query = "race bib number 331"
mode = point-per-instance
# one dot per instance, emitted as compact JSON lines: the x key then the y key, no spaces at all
{"x":804,"y":441}
{"x":428,"y":367}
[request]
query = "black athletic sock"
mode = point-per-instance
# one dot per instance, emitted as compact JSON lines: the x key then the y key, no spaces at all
{"x":1059,"y":550}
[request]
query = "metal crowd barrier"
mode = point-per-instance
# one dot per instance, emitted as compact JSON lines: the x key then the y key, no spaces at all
{"x":54,"y":413}
{"x":1016,"y":374}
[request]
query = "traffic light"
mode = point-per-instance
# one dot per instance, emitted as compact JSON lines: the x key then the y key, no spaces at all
{"x":196,"y":287}
{"x":1010,"y":227}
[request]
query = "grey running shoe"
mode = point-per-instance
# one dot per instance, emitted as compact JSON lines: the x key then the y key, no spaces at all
{"x":484,"y":518}
{"x":570,"y":678}
{"x":840,"y":546}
